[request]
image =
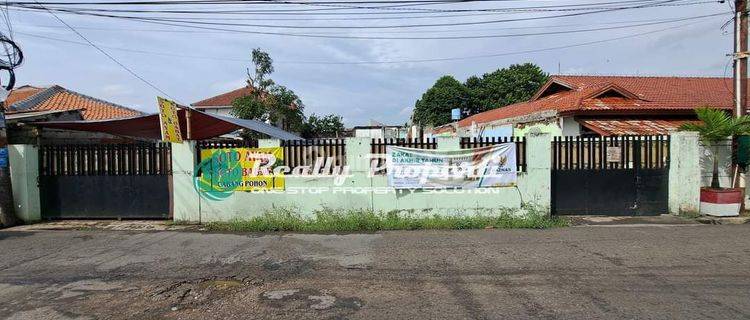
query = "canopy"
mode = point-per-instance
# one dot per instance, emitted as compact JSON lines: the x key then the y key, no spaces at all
{"x":202,"y":126}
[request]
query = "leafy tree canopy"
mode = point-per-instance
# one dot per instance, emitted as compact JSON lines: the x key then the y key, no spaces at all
{"x":497,"y":89}
{"x":434,"y":108}
{"x":328,"y":126}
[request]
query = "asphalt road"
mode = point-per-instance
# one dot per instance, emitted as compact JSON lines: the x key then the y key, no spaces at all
{"x":679,"y":272}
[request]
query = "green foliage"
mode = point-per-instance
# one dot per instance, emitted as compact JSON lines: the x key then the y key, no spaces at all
{"x":506,"y":86}
{"x":340,"y":220}
{"x":716,"y":125}
{"x":268,"y":101}
{"x":323,"y":127}
{"x":500,"y":88}
{"x":434,"y":108}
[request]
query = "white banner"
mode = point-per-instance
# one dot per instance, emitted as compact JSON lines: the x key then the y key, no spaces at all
{"x":493,"y":166}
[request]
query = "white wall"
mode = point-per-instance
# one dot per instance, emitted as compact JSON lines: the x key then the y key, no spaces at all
{"x":570,"y":127}
{"x":725,"y":163}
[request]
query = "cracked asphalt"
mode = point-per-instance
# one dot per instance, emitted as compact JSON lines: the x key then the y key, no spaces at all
{"x":659,"y":272}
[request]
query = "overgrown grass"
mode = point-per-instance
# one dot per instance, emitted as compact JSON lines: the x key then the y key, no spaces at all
{"x":339,"y":220}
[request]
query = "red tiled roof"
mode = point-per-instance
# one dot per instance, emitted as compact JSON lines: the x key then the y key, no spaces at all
{"x":225,"y":99}
{"x":617,"y":127}
{"x":59,"y":98}
{"x":21,"y":93}
{"x":633,"y":95}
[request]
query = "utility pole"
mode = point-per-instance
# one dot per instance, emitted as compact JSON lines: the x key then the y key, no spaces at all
{"x":740,"y":58}
{"x":7,"y":209}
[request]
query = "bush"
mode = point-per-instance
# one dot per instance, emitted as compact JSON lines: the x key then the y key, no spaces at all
{"x":346,"y":220}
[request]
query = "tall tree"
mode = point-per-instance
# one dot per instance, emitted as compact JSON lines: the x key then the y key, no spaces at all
{"x":268,"y":101}
{"x":505,"y":86}
{"x":516,"y":83}
{"x":434,"y":108}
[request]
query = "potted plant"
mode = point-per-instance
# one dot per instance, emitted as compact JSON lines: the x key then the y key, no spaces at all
{"x":715,"y":126}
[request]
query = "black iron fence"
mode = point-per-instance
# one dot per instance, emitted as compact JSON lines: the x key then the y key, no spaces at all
{"x":470,"y":143}
{"x":105,"y":159}
{"x":219,"y":144}
{"x":617,"y":152}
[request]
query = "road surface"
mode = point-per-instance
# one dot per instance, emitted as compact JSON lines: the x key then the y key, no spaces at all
{"x":689,"y":271}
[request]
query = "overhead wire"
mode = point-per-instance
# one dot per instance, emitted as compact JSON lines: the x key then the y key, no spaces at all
{"x":126,"y":68}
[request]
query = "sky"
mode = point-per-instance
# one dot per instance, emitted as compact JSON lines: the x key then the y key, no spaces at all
{"x":190,"y":64}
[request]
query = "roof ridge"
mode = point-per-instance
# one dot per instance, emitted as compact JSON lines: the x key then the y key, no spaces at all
{"x":221,"y":94}
{"x":35,"y":99}
{"x":637,"y":76}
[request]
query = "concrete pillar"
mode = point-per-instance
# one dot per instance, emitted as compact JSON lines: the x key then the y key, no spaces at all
{"x":358,"y":154}
{"x":537,"y":189}
{"x":448,"y":143}
{"x":186,"y":199}
{"x":24,"y":175}
{"x":269,"y":143}
{"x":684,"y":172}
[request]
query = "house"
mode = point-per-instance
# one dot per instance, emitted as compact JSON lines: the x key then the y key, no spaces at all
{"x":603,"y":106}
{"x":30,"y":104}
{"x":57,"y":98}
{"x":379,"y":132}
{"x":222,"y":104}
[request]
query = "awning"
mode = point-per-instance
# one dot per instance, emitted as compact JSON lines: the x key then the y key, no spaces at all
{"x":619,"y":127}
{"x":203,"y":126}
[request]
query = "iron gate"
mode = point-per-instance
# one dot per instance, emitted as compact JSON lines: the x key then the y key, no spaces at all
{"x":617,"y":176}
{"x":105,"y":181}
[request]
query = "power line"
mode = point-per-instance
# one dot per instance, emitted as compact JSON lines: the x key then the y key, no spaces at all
{"x":178,"y":21}
{"x":491,"y":55}
{"x":109,"y":56}
{"x":513,"y":35}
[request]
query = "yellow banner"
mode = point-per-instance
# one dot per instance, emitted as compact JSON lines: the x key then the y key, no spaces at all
{"x":170,"y":123}
{"x":241,"y":169}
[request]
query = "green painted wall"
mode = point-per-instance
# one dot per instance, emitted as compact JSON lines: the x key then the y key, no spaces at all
{"x":24,"y":173}
{"x":312,"y":193}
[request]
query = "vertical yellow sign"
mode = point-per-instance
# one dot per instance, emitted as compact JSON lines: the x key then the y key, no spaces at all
{"x":170,"y":123}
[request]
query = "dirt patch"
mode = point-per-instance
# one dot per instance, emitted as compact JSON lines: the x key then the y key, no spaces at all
{"x":309,"y":299}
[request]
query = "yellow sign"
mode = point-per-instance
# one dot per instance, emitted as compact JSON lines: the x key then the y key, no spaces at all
{"x":241,"y":169}
{"x":170,"y":123}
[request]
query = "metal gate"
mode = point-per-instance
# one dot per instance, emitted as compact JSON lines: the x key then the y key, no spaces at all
{"x":105,"y":181}
{"x":616,"y":176}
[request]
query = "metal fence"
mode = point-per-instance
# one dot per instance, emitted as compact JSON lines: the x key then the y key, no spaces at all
{"x":378,"y":148}
{"x":105,"y":159}
{"x":220,"y":144}
{"x":307,"y":152}
{"x":470,"y":143}
{"x":618,"y":152}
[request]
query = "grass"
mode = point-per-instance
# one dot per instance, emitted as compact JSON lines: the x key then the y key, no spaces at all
{"x":339,"y":220}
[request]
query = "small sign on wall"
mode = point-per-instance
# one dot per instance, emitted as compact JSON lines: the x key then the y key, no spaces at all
{"x":614,"y":154}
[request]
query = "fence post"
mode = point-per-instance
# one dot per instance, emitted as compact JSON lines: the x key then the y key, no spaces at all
{"x":537,"y":190}
{"x":24,"y":175}
{"x":684,"y":172}
{"x":448,"y":143}
{"x":186,"y":200}
{"x":269,"y":143}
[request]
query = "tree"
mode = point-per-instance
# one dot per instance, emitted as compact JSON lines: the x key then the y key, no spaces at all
{"x":500,"y":88}
{"x":323,"y":127}
{"x":505,"y":86}
{"x":716,"y":125}
{"x":268,"y":101}
{"x":434,"y":108}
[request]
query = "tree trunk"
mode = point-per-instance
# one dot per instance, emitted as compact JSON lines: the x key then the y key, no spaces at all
{"x":715,"y":174}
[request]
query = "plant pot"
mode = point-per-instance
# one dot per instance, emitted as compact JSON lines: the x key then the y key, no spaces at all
{"x":721,"y":202}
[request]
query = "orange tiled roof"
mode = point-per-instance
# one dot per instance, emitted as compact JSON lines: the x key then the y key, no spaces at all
{"x":225,"y":99}
{"x":619,"y":127}
{"x":59,"y":98}
{"x":21,"y":93}
{"x":632,"y":95}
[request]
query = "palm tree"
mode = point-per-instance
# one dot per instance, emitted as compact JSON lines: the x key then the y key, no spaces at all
{"x":716,"y":125}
